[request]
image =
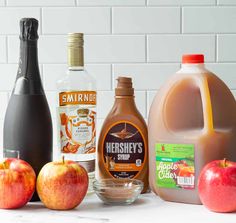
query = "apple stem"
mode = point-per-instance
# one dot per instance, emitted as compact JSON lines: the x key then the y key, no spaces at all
{"x":63,"y":159}
{"x":224,"y":162}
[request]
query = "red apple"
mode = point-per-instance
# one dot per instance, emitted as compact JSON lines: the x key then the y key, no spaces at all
{"x":17,"y":183}
{"x":62,"y":185}
{"x":217,"y":186}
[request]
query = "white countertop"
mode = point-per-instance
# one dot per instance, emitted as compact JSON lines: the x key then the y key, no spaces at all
{"x":148,"y":208}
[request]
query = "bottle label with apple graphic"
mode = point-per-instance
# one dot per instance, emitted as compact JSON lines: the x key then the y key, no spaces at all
{"x":175,"y":166}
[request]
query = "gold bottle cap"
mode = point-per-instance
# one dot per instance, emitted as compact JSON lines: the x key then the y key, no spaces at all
{"x":75,"y":49}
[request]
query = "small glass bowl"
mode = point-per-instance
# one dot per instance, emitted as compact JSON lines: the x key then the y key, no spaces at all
{"x":118,"y":191}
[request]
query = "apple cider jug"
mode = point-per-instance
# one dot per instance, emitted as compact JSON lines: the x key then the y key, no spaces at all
{"x":192,"y":121}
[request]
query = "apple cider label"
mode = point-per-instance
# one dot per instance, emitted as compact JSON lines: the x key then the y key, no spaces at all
{"x":175,"y":166}
{"x":77,"y":117}
{"x":124,"y":150}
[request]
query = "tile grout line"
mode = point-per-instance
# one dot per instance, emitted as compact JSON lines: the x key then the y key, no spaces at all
{"x":128,"y":34}
{"x":111,"y":20}
{"x":126,"y":6}
{"x":41,"y":19}
{"x":83,"y":6}
{"x":216,"y":48}
{"x":6,"y":42}
{"x":146,"y":102}
{"x":146,"y":49}
{"x":181,"y":20}
{"x":112,"y":77}
{"x":124,"y":63}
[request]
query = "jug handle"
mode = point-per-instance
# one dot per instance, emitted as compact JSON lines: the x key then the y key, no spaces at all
{"x":206,"y":105}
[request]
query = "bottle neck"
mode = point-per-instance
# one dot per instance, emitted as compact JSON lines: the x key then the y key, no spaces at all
{"x":28,"y":79}
{"x":76,"y":68}
{"x":125,"y":103}
{"x":193,"y":68}
{"x":75,"y":58}
{"x":192,"y":65}
{"x":28,"y":62}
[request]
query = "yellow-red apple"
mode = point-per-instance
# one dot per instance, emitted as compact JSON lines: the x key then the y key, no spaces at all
{"x":62,"y":185}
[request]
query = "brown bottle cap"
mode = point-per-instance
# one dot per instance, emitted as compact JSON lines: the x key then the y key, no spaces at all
{"x":124,"y":87}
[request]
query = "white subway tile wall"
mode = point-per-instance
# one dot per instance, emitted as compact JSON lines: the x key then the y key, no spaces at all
{"x":53,"y":72}
{"x":226,"y":48}
{"x":209,"y":19}
{"x":170,"y":48}
{"x":40,"y":3}
{"x":226,"y":2}
{"x":145,"y":76}
{"x":3,"y":49}
{"x":9,"y":18}
{"x":181,"y":2}
{"x":111,"y":2}
{"x":152,"y":20}
{"x":143,"y":39}
{"x":66,"y":20}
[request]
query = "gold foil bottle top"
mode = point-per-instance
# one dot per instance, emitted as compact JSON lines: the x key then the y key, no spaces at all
{"x":124,"y":87}
{"x":76,"y":49}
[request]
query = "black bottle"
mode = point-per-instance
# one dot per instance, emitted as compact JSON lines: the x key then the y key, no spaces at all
{"x":27,"y":124}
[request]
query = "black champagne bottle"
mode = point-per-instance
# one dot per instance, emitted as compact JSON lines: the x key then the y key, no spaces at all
{"x":27,"y":124}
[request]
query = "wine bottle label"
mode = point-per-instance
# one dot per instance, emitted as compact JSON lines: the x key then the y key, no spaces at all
{"x":175,"y":166}
{"x":77,"y":115}
{"x":124,"y":150}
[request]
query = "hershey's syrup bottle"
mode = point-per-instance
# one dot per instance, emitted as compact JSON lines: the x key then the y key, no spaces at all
{"x":123,"y":141}
{"x":28,"y":125}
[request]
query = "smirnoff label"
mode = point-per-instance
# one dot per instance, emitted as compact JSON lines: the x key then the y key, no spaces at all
{"x":77,"y":121}
{"x":124,"y":150}
{"x":77,"y":98}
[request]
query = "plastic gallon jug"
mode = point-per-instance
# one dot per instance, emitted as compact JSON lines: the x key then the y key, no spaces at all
{"x":192,"y":121}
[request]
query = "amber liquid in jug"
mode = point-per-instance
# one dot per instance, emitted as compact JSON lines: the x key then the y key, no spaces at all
{"x":192,"y":121}
{"x":123,"y":145}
